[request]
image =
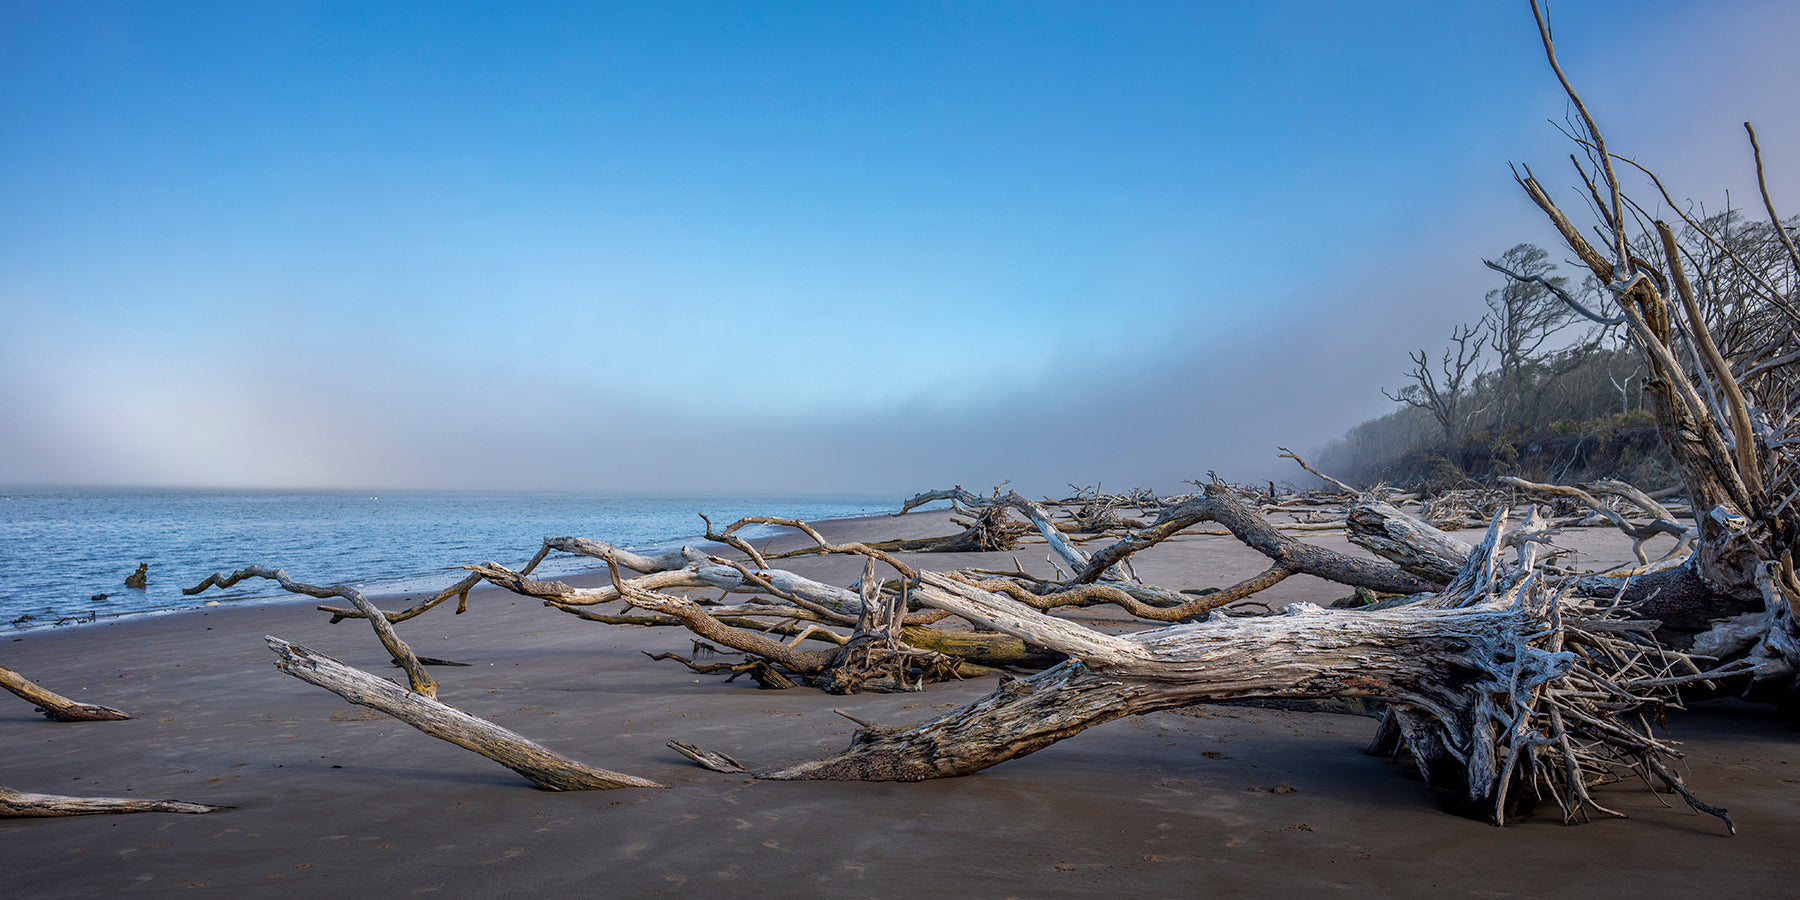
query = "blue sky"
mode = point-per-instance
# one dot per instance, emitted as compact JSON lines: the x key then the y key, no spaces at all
{"x":810,"y":248}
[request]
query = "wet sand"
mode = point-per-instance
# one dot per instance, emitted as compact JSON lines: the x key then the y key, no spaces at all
{"x":330,"y":796}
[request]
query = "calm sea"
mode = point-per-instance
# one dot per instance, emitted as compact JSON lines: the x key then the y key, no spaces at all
{"x":61,"y":549}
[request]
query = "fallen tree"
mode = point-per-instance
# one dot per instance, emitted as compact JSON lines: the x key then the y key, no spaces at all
{"x":1506,"y":688}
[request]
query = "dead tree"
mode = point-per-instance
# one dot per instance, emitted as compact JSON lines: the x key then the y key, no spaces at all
{"x":1731,"y":423}
{"x":403,"y":655}
{"x":1510,"y":689}
{"x":1443,"y":396}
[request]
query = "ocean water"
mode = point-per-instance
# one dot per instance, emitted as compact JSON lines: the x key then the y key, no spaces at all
{"x":61,"y":549}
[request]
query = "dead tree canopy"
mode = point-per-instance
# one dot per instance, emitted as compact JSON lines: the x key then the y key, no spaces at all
{"x":1727,"y":411}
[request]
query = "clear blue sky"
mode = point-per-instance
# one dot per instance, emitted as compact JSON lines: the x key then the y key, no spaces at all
{"x":829,"y":247}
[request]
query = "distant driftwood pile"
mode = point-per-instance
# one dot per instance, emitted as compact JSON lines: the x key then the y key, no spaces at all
{"x":1501,"y":676}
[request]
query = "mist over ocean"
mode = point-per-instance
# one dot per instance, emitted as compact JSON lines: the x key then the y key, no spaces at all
{"x":59,"y":548}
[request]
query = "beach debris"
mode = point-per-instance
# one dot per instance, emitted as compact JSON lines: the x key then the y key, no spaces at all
{"x":139,"y":579}
{"x":55,"y":706}
{"x":544,"y":768}
{"x":991,"y":530}
{"x":706,"y":759}
{"x":21,"y":805}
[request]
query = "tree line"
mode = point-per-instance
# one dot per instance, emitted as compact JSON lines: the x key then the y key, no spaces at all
{"x":1533,"y":386}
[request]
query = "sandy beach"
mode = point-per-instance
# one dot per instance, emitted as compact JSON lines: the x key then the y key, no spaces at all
{"x":330,"y":796}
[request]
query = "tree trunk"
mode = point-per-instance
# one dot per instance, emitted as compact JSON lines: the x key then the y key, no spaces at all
{"x":1416,"y":546}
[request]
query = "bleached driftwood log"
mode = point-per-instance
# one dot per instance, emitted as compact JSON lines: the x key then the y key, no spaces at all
{"x":1419,"y":548}
{"x":55,"y":706}
{"x":544,"y":768}
{"x":21,"y":805}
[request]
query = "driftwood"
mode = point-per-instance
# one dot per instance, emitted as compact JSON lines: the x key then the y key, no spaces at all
{"x":546,"y":769}
{"x":20,"y":805}
{"x":55,"y":706}
{"x":421,"y":680}
{"x":1512,"y":689}
{"x":1639,"y":532}
{"x":1416,"y":546}
{"x":991,"y":530}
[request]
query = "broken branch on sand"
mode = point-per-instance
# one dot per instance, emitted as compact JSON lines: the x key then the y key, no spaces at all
{"x":55,"y":706}
{"x":21,"y":805}
{"x":546,"y":769}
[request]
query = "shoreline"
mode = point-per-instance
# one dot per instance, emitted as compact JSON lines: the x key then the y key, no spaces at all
{"x":215,"y":601}
{"x":327,"y":795}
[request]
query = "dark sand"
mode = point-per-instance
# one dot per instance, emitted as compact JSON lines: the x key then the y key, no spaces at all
{"x":331,"y":797}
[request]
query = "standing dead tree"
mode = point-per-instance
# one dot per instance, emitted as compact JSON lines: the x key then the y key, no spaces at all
{"x":1445,"y":396}
{"x":1731,"y":423}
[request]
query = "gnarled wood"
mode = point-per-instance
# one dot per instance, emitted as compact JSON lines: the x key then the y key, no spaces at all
{"x":1416,"y":546}
{"x":421,"y":680}
{"x":1639,"y":532}
{"x":1218,"y":504}
{"x":1501,"y":672}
